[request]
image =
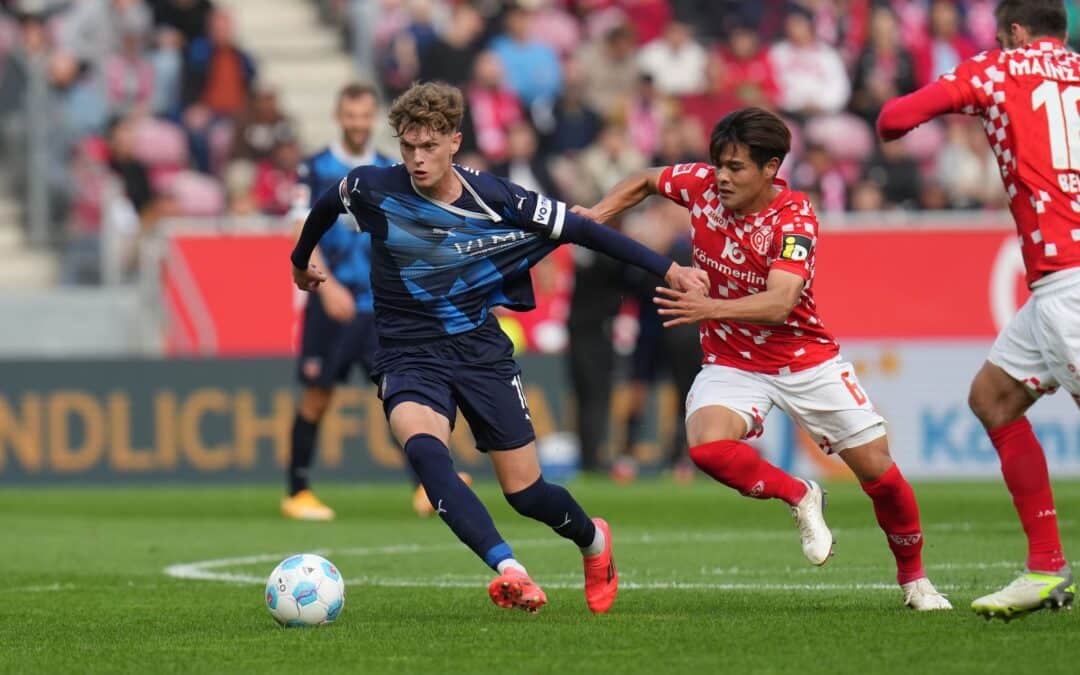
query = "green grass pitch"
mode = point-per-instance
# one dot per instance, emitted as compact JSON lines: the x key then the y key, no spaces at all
{"x":713,"y":582}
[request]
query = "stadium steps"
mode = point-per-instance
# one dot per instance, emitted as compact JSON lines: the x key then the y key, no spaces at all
{"x":298,"y":56}
{"x":21,"y":267}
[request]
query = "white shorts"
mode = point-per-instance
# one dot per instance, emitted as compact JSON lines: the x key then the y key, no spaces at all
{"x":825,"y":400}
{"x":1041,"y":345}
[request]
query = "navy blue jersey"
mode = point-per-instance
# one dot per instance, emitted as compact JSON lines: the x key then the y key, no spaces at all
{"x":347,"y":251}
{"x":438,"y":269}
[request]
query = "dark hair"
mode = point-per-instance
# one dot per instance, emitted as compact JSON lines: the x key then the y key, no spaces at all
{"x":1043,"y":18}
{"x":355,"y":90}
{"x":437,"y":106}
{"x":760,"y":130}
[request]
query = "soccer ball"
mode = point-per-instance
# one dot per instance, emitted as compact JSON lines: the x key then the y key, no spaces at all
{"x":305,"y":590}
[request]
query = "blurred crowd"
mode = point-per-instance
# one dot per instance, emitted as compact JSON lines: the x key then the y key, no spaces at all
{"x":154,"y":109}
{"x":574,"y":94}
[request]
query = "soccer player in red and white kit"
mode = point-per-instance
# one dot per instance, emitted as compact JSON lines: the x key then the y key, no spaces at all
{"x":1027,"y":95}
{"x":764,"y":344}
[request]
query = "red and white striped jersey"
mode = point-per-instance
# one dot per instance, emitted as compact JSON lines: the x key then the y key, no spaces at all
{"x":1029,"y":102}
{"x":738,"y":254}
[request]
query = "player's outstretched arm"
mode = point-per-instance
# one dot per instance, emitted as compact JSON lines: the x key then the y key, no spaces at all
{"x":901,"y":115}
{"x":603,"y":239}
{"x":324,"y":212}
{"x":626,"y":194}
{"x":771,"y":306}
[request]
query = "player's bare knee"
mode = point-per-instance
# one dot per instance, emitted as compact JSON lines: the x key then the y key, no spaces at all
{"x":314,"y":403}
{"x":409,"y":419}
{"x":992,"y":406}
{"x":715,"y":423}
{"x":981,"y":402}
{"x":867,"y":453}
{"x":997,"y":398}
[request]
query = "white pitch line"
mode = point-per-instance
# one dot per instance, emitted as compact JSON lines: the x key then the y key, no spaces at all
{"x":379,"y":582}
{"x":210,"y":570}
{"x":46,"y":589}
{"x":200,"y":570}
{"x":635,"y":585}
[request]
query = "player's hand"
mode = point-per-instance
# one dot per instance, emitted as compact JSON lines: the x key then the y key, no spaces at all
{"x":309,"y":279}
{"x":684,"y":307}
{"x":591,"y":214}
{"x":687,"y":279}
{"x":338,"y":301}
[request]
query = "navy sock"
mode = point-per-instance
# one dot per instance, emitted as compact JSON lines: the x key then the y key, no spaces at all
{"x":554,"y":506}
{"x":302,"y":453}
{"x":455,"y":503}
{"x":413,"y":478}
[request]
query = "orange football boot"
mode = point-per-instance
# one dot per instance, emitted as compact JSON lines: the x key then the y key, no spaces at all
{"x":601,"y":577}
{"x":515,"y":589}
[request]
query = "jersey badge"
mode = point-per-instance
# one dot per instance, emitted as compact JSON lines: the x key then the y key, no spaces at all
{"x":795,"y":247}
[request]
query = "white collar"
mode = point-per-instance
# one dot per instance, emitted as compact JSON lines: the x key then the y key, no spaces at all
{"x":488,"y":213}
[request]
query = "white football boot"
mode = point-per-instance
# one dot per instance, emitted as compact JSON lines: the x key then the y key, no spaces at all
{"x":809,"y":515}
{"x":1029,"y":592}
{"x":921,"y":596}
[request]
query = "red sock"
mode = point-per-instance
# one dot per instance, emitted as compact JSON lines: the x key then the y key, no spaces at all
{"x":898,"y":515}
{"x":739,"y":466}
{"x":1024,"y":466}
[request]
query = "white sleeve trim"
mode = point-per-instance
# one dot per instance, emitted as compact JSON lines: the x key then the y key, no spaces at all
{"x":560,"y":218}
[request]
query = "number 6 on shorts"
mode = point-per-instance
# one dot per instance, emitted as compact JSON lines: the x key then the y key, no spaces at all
{"x":853,"y":387}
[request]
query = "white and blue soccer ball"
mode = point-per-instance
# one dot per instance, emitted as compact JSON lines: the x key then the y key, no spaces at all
{"x":305,"y":590}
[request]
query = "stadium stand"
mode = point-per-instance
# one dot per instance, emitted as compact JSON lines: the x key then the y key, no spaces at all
{"x":159,"y":108}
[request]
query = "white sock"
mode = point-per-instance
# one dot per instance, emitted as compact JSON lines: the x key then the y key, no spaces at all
{"x":597,"y":545}
{"x":510,"y":563}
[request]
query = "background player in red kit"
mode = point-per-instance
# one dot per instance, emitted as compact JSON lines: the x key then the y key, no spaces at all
{"x":1028,"y":96}
{"x":764,"y":343}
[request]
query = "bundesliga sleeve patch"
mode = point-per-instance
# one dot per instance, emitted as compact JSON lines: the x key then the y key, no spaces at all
{"x":544,"y":209}
{"x":795,"y":247}
{"x":550,"y":214}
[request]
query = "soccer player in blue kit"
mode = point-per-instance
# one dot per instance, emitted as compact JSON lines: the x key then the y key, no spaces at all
{"x":448,"y":244}
{"x":339,"y":327}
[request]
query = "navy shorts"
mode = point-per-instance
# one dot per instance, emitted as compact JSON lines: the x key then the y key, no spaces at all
{"x":647,"y":353}
{"x":329,"y":349}
{"x":474,"y":371}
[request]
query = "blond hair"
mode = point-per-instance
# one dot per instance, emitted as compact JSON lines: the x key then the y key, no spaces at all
{"x":436,"y":106}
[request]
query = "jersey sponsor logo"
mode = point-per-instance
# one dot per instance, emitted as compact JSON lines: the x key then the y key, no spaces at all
{"x":732,"y":252}
{"x":544,"y":209}
{"x":795,"y":247}
{"x":680,"y":169}
{"x":490,"y":243}
{"x":761,"y":240}
{"x":705,"y":261}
